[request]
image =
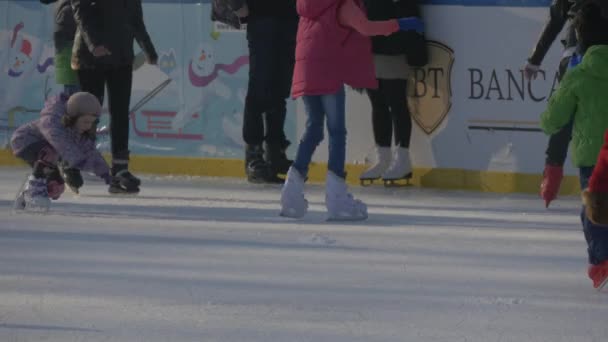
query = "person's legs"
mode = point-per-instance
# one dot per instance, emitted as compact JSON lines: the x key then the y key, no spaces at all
{"x":119,"y":100}
{"x":313,"y":135}
{"x":395,"y":91}
{"x":93,"y":81}
{"x":293,"y":202}
{"x":281,"y":67}
{"x":381,"y":117}
{"x":70,"y":89}
{"x":596,"y":236}
{"x":335,"y":109}
{"x":261,"y":58}
{"x":340,"y":204}
{"x":262,"y":64}
{"x":382,"y":126}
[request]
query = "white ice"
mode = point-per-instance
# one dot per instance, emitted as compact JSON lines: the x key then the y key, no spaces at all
{"x":211,"y":260}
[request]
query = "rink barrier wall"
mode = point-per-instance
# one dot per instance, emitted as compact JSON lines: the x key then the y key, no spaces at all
{"x":477,"y":127}
{"x":452,"y":179}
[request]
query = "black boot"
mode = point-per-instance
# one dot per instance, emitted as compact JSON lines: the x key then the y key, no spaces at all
{"x":120,"y":164}
{"x":256,"y":167}
{"x":277,"y":159}
{"x":123,"y":182}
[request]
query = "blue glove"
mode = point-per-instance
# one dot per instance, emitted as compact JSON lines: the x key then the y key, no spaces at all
{"x":411,"y":24}
{"x":575,"y":60}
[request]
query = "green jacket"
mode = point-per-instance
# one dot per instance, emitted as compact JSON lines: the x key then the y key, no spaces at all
{"x":582,"y":96}
{"x":63,"y":70}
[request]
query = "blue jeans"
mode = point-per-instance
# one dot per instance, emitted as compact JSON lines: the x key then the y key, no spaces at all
{"x":317,"y":108}
{"x":70,"y":89}
{"x":596,"y":235}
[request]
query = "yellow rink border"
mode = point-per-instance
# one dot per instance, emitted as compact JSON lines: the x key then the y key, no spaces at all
{"x":486,"y":181}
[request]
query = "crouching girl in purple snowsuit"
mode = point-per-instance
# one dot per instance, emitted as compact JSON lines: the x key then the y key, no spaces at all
{"x":65,"y":131}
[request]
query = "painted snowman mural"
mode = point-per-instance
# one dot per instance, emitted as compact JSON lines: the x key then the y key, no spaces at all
{"x":25,"y":78}
{"x":218,"y":98}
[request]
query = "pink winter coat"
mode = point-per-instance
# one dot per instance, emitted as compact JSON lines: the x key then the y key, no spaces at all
{"x":333,"y":46}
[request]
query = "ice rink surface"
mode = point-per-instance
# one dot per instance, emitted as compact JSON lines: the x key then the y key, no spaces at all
{"x":200,"y":259}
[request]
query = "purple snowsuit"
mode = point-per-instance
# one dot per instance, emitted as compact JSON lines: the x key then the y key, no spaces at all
{"x":48,"y":139}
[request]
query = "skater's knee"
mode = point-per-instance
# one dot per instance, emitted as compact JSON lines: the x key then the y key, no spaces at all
{"x":313,"y":135}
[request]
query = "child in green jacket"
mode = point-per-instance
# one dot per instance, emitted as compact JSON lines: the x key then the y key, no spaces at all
{"x":581,"y":97}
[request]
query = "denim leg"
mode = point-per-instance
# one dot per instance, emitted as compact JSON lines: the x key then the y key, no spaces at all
{"x":584,"y":175}
{"x":313,"y":135}
{"x":596,"y":235}
{"x":336,"y":127}
{"x":70,"y":89}
{"x":597,"y":240}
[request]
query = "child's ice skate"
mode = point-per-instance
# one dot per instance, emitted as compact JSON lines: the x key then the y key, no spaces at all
{"x":374,"y":172}
{"x":293,"y":202}
{"x":34,"y":197}
{"x":19,"y":203}
{"x":341,"y":206}
{"x":599,"y":275}
{"x":400,"y":169}
{"x":552,"y":179}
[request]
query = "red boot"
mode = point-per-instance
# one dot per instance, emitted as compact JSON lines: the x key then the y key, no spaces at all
{"x":552,"y":179}
{"x":599,"y":275}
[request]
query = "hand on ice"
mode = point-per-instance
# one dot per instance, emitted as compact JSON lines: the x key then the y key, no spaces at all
{"x":73,"y":178}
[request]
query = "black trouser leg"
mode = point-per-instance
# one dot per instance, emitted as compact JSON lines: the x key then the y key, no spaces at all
{"x":284,"y":34}
{"x":119,"y":82}
{"x":262,"y":49}
{"x":93,"y":81}
{"x":557,"y":150}
{"x":395,"y":94}
{"x":382,"y":123}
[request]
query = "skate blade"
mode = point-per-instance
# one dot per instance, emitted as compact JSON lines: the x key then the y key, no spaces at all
{"x":31,"y":210}
{"x":287,"y":214}
{"x":37,"y":210}
{"x":19,"y":203}
{"x":274,"y":181}
{"x":124,"y":194}
{"x":346,"y":218}
{"x":398,"y":182}
{"x":602,"y":285}
{"x":367,"y":181}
